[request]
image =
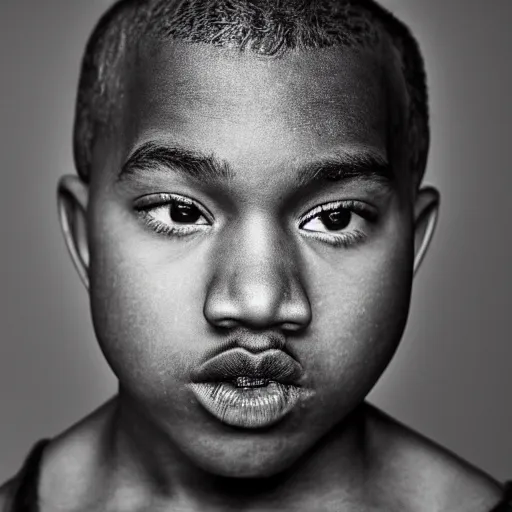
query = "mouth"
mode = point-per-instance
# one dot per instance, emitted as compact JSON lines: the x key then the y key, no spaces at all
{"x":248,"y":390}
{"x":249,"y":382}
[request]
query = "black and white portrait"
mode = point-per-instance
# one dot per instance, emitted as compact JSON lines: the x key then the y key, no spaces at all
{"x":255,"y":256}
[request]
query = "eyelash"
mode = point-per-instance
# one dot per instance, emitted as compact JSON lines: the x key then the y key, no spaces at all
{"x":346,"y":239}
{"x":150,"y":203}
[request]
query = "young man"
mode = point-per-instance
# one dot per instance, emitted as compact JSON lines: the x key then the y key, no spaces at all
{"x":247,"y":218}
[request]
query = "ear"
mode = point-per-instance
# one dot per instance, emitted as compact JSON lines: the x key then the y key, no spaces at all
{"x":72,"y":199}
{"x":426,"y":209}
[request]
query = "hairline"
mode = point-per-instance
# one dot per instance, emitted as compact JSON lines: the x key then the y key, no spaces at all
{"x":149,"y":39}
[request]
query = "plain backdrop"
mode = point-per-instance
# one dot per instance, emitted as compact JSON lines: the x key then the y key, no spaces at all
{"x":452,"y":376}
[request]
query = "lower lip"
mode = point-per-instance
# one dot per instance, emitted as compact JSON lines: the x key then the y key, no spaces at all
{"x":247,"y":407}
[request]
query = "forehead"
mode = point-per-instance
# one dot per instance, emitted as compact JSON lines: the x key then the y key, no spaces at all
{"x":243,"y":107}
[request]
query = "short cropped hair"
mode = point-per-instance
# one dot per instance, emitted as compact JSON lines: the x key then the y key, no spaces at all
{"x":267,"y":27}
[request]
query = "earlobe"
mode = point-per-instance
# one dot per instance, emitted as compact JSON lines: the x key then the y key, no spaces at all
{"x":72,"y":199}
{"x":426,"y":210}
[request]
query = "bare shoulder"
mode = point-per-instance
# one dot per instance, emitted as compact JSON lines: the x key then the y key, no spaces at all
{"x":422,"y":475}
{"x":67,"y":459}
{"x":70,"y":464}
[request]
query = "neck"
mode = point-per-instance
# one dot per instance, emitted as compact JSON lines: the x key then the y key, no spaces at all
{"x":149,"y":463}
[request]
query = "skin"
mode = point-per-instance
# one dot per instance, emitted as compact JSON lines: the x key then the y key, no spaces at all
{"x":162,"y":305}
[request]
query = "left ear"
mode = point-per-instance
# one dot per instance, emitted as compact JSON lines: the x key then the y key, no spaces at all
{"x":426,"y":209}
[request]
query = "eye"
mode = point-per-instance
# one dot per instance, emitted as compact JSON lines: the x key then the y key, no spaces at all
{"x":341,"y":223}
{"x":172,"y":214}
{"x":331,"y":220}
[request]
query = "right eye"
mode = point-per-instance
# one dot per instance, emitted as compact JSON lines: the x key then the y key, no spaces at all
{"x":172,"y":214}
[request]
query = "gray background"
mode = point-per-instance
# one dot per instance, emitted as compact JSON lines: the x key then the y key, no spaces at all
{"x":452,"y":376}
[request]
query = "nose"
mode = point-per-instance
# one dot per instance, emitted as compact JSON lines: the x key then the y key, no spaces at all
{"x":256,"y":282}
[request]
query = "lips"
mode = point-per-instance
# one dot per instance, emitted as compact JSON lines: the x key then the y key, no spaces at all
{"x":272,"y":365}
{"x":249,"y":390}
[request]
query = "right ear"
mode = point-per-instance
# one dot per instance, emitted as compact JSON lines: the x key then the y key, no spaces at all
{"x":72,"y":199}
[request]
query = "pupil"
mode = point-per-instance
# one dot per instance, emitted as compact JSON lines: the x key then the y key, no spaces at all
{"x":336,"y":220}
{"x":184,"y":213}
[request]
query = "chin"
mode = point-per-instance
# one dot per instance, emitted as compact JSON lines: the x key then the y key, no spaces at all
{"x":249,"y":458}
{"x":255,"y":470}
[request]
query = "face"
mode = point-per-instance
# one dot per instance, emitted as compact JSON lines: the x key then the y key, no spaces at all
{"x":251,"y":248}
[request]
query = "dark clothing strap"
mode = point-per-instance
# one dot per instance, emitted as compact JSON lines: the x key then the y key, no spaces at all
{"x":506,"y":503}
{"x":25,"y":497}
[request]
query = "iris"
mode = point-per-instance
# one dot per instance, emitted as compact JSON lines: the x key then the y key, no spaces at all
{"x":184,"y":213}
{"x":336,"y":220}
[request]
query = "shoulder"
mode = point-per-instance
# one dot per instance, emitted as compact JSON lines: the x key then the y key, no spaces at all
{"x":424,"y":476}
{"x":66,"y":462}
{"x":72,"y":462}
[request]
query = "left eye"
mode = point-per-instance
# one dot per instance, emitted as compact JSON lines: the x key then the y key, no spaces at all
{"x":342,"y":223}
{"x":183,"y":213}
{"x":172,"y":214}
{"x":330,"y":220}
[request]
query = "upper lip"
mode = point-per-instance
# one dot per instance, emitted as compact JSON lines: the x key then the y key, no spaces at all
{"x":274,"y":365}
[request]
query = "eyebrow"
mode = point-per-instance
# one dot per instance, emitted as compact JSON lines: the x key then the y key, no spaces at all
{"x":152,"y":156}
{"x":359,"y":164}
{"x":348,"y":165}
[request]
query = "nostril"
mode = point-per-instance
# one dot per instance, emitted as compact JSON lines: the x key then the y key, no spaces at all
{"x":226,"y":323}
{"x":296,"y":314}
{"x":294,"y":326}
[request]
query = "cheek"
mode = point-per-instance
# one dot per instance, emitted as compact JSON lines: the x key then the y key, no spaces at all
{"x":146,"y":306}
{"x":361,"y":308}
